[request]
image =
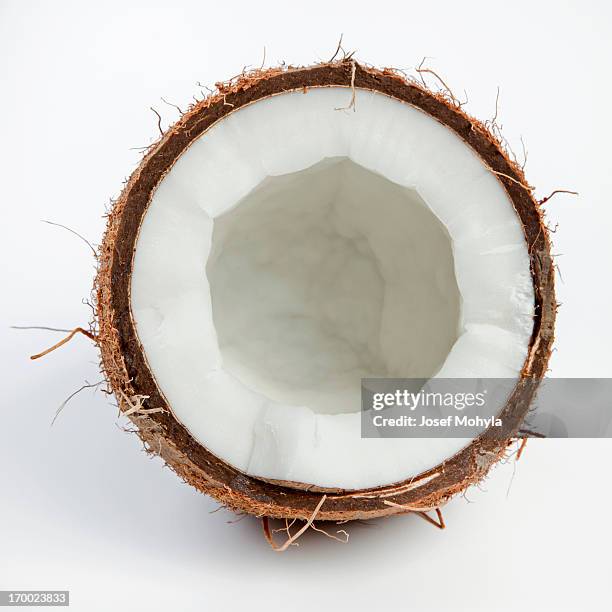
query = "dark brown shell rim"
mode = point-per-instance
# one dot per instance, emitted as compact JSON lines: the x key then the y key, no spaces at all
{"x":125,"y":365}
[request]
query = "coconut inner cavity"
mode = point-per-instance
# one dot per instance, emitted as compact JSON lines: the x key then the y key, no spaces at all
{"x":322,"y":277}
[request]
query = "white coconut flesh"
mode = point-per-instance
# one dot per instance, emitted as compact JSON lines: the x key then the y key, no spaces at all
{"x":294,"y":249}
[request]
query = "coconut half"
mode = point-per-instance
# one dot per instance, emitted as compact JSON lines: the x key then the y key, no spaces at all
{"x":294,"y":233}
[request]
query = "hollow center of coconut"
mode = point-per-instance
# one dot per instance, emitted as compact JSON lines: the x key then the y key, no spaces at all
{"x":322,"y":277}
{"x":294,"y":249}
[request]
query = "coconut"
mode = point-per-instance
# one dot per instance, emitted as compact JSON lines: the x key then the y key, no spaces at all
{"x":301,"y":229}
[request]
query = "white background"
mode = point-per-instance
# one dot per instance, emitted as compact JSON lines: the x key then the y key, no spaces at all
{"x":82,"y":508}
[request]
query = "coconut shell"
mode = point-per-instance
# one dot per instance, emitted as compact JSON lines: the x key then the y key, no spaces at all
{"x":131,"y":379}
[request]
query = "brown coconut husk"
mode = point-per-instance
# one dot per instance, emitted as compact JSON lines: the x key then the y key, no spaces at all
{"x":132,"y":381}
